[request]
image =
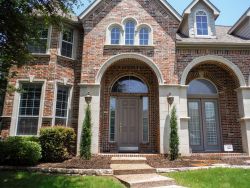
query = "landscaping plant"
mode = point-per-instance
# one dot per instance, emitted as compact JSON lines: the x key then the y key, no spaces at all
{"x":58,"y":143}
{"x":85,"y":148}
{"x":174,"y":138}
{"x":19,"y":151}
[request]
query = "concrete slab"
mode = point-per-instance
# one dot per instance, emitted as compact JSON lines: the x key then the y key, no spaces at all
{"x":145,"y":180}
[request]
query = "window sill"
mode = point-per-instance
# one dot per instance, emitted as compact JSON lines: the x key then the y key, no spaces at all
{"x":40,"y":54}
{"x":205,"y":37}
{"x":112,"y":46}
{"x":66,"y":58}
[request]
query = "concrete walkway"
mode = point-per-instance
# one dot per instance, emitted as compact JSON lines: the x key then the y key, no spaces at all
{"x":135,"y":173}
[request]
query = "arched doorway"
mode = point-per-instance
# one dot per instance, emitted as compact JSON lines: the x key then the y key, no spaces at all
{"x":129,"y":113}
{"x":204,"y":124}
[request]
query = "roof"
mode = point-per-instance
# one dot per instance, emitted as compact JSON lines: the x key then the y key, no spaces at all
{"x":242,"y":18}
{"x":95,"y":3}
{"x":222,"y":37}
{"x":207,"y":2}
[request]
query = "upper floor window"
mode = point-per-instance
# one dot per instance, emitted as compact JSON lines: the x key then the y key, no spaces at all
{"x":67,"y":43}
{"x":201,"y":23}
{"x":144,"y":36}
{"x":39,"y":45}
{"x":129,"y":33}
{"x":115,"y":35}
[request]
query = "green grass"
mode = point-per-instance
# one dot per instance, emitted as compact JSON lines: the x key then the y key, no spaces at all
{"x":213,"y":178}
{"x":38,"y":180}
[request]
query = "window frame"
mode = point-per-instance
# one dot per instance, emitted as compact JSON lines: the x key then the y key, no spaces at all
{"x":48,"y":39}
{"x":74,"y":42}
{"x":196,"y":24}
{"x":17,"y":102}
{"x":134,"y":34}
{"x":111,"y":39}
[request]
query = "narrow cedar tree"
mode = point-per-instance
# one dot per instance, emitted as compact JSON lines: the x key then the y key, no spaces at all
{"x":85,"y":148}
{"x":174,"y":138}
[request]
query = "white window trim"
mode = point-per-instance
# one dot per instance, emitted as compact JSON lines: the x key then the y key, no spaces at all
{"x":48,"y":43}
{"x":208,"y":25}
{"x":74,"y":46}
{"x":122,"y":27}
{"x":70,"y":87}
{"x":16,"y":105}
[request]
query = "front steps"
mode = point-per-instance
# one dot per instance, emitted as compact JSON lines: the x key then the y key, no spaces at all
{"x":135,"y":173}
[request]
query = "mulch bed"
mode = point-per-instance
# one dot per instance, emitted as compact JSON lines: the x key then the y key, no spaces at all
{"x":96,"y":162}
{"x":163,"y":162}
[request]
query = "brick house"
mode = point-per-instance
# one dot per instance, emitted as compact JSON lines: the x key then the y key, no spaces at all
{"x":132,"y":56}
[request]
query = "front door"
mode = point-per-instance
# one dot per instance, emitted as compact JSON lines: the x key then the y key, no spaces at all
{"x":128,"y":122}
{"x":204,"y":132}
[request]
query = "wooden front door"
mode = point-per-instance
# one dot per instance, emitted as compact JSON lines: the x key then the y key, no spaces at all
{"x":128,"y":123}
{"x":204,"y":131}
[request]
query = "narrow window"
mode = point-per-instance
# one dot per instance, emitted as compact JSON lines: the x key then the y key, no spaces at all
{"x":129,"y":33}
{"x":62,"y":106}
{"x":115,"y":35}
{"x":201,"y":23}
{"x":67,"y":43}
{"x":1,"y":102}
{"x":144,"y":36}
{"x":112,"y":119}
{"x":145,"y":119}
{"x":39,"y":46}
{"x":29,"y":109}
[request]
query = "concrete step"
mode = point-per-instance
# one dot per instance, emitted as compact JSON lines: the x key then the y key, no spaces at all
{"x":145,"y":180}
{"x":123,"y":169}
{"x":128,"y":160}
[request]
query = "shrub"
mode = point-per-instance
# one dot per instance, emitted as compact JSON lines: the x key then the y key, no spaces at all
{"x":174,"y":138}
{"x":58,"y":143}
{"x":85,"y":148}
{"x":19,"y":151}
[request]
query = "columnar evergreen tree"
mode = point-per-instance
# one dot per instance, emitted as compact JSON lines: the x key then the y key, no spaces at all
{"x":174,"y":138}
{"x":85,"y":147}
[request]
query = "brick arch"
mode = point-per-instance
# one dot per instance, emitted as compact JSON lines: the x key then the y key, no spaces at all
{"x":139,"y":57}
{"x":218,"y":60}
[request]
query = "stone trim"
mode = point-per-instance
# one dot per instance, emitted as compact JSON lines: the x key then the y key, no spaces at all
{"x":219,"y":59}
{"x":118,"y":57}
{"x":69,"y":171}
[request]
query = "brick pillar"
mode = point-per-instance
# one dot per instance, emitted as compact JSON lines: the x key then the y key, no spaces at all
{"x":244,"y":112}
{"x":94,"y":91}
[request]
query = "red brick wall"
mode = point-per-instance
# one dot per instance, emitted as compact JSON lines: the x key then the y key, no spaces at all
{"x":164,"y":26}
{"x":50,"y":68}
{"x":123,"y":68}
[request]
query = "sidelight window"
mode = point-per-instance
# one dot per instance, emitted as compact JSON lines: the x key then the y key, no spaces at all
{"x":112,"y":119}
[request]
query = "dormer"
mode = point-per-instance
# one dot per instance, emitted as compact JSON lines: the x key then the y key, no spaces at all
{"x":199,"y":20}
{"x":242,"y":27}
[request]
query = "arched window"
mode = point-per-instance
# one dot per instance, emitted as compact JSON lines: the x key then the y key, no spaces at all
{"x":201,"y":87}
{"x":130,"y":33}
{"x":144,"y":36}
{"x":201,"y":23}
{"x":115,"y":35}
{"x":129,"y":84}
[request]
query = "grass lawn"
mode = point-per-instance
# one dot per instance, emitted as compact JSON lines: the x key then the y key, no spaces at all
{"x":213,"y":178}
{"x":38,"y":180}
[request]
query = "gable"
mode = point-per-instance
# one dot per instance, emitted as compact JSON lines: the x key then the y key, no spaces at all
{"x":97,"y":3}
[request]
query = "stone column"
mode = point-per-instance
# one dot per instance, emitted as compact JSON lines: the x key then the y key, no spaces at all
{"x":244,"y":112}
{"x":94,"y":91}
{"x":180,"y":101}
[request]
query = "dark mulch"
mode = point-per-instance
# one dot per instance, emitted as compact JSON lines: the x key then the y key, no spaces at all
{"x":163,"y":162}
{"x":96,"y":162}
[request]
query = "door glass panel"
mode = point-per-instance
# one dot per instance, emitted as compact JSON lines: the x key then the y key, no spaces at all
{"x":210,"y":122}
{"x":194,"y":123}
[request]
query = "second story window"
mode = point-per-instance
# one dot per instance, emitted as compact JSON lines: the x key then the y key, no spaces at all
{"x":129,"y":33}
{"x":67,"y":43}
{"x":39,"y":46}
{"x":115,"y":35}
{"x":144,"y":36}
{"x":201,"y":23}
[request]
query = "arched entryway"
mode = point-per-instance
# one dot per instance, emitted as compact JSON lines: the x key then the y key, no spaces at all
{"x":213,"y":107}
{"x":129,"y":113}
